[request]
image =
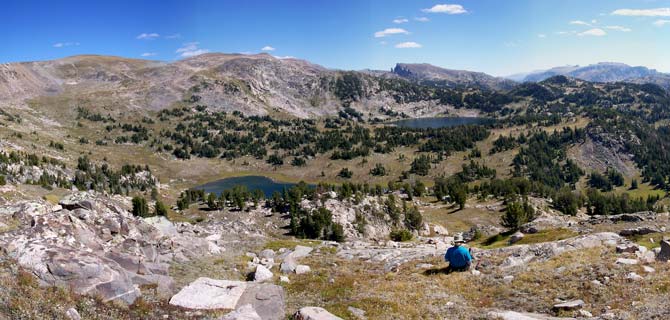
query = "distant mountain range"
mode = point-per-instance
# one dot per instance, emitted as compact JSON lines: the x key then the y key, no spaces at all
{"x":262,"y":84}
{"x":429,"y":74}
{"x":600,"y":72}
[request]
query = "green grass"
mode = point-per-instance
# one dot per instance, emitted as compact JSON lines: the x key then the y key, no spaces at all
{"x":502,"y":239}
{"x":52,"y":198}
{"x":290,"y":244}
{"x":644,"y":240}
{"x":643,"y":190}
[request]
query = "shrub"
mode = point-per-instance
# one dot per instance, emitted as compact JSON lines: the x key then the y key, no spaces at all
{"x":421,"y":165}
{"x":517,"y":214}
{"x":298,"y":162}
{"x":360,"y":222}
{"x":413,"y":218}
{"x":566,"y":202}
{"x":345,"y":173}
{"x":336,"y":232}
{"x":3,"y":181}
{"x":275,"y":160}
{"x":378,"y":170}
{"x":140,"y":207}
{"x":160,"y":209}
{"x":401,"y":235}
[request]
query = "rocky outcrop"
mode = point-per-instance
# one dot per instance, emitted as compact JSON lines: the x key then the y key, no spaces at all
{"x":664,"y":254}
{"x":262,"y":274}
{"x":569,"y":305}
{"x":392,"y":255}
{"x":245,"y":312}
{"x":206,"y":293}
{"x":520,"y":255}
{"x":266,"y":300}
{"x":513,"y":315}
{"x":638,"y":231}
{"x":314,"y":313}
{"x":92,"y":244}
{"x":626,"y":217}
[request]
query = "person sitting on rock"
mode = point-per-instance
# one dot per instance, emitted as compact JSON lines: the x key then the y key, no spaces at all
{"x":458,"y":256}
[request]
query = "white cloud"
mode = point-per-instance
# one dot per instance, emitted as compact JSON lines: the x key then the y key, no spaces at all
{"x":65,"y":44}
{"x":149,"y":54}
{"x":173,"y":36}
{"x":446,"y":8}
{"x":595,"y":32}
{"x":267,"y":48}
{"x":422,"y":19}
{"x":400,"y":20}
{"x":148,"y":36}
{"x":390,"y":31}
{"x":660,"y":23}
{"x":619,"y":28}
{"x":594,"y":21}
{"x":190,"y":49}
{"x":541,"y":35}
{"x":406,"y":45}
{"x":580,"y":23}
{"x":658,"y":12}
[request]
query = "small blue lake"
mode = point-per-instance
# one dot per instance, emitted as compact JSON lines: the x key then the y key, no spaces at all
{"x":440,"y":122}
{"x":265,"y":184}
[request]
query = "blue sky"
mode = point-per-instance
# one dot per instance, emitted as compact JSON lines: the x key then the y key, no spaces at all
{"x":494,"y":36}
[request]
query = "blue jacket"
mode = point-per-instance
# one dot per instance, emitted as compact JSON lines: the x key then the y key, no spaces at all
{"x":458,"y":257}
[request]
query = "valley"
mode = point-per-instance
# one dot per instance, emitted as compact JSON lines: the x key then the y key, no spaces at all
{"x":297,"y":186}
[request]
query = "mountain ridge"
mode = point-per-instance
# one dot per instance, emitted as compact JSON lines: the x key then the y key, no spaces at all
{"x":428,"y":73}
{"x":600,"y":72}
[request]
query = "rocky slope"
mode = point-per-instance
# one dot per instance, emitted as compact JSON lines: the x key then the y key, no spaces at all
{"x":431,"y":74}
{"x":604,"y":72}
{"x":91,"y":243}
{"x":252,"y":84}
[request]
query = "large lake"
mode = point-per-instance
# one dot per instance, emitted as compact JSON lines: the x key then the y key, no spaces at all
{"x":440,"y":122}
{"x":265,"y":184}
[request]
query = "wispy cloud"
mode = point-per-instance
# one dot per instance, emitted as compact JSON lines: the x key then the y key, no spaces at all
{"x":422,"y":19}
{"x":580,"y":23}
{"x":148,"y":36}
{"x":149,"y":54}
{"x":595,"y":32}
{"x":267,"y":48}
{"x":390,"y":31}
{"x":173,"y":36}
{"x":619,"y":28}
{"x":657,"y":12}
{"x":660,"y":23}
{"x":541,"y":35}
{"x":511,"y":44}
{"x":400,"y":20}
{"x":407,"y":45}
{"x":190,"y":49}
{"x":446,"y":8}
{"x":65,"y":44}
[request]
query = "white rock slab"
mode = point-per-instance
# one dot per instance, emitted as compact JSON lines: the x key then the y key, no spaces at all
{"x":206,"y":293}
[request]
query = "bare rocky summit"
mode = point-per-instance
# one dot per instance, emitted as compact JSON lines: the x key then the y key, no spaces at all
{"x":251,"y":84}
{"x":440,"y":76}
